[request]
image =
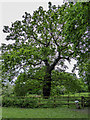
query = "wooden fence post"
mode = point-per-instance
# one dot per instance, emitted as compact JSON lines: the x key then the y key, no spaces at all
{"x":54,"y":102}
{"x":39,"y":101}
{"x":68,"y":101}
{"x":82,"y":101}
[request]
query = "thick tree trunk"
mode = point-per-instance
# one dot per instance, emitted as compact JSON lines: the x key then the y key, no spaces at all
{"x":47,"y":78}
{"x":47,"y":85}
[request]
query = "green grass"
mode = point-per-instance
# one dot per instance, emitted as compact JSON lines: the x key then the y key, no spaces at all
{"x":0,"y":107}
{"x":44,"y":113}
{"x":59,"y":112}
{"x":0,"y":113}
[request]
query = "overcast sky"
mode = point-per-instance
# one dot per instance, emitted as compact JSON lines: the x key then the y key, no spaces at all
{"x":12,"y":10}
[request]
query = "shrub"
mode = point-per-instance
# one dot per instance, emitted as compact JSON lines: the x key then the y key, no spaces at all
{"x":19,"y":102}
{"x":87,"y":102}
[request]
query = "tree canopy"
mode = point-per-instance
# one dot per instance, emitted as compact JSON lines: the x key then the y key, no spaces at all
{"x":44,"y":40}
{"x":62,"y":82}
{"x":24,"y":85}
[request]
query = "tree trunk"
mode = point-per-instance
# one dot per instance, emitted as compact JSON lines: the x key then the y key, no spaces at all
{"x":47,"y":78}
{"x":47,"y":85}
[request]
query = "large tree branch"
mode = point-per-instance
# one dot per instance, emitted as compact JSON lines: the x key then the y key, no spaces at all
{"x":55,"y":62}
{"x":58,"y":58}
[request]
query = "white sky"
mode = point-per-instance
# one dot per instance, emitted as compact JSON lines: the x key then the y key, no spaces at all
{"x":12,"y":10}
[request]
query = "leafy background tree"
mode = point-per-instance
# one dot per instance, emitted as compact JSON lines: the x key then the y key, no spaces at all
{"x":63,"y":82}
{"x":25,"y":85}
{"x":84,"y":69}
{"x":44,"y":40}
{"x":7,"y":88}
{"x":77,"y":28}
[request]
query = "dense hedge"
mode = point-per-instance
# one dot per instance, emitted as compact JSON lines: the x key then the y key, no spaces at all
{"x":34,"y":102}
{"x":23,"y":102}
{"x":19,"y":102}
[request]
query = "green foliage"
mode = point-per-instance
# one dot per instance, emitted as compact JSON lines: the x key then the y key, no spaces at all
{"x":36,"y":41}
{"x":7,"y":88}
{"x":26,"y":102}
{"x":77,"y":30}
{"x":39,"y":102}
{"x":63,"y":82}
{"x":44,"y":40}
{"x":19,"y":102}
{"x":25,"y":85}
{"x":84,"y":69}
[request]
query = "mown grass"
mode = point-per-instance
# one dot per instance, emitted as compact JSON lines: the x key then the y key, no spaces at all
{"x":0,"y":107}
{"x":0,"y":113}
{"x":58,"y":112}
{"x":43,"y":113}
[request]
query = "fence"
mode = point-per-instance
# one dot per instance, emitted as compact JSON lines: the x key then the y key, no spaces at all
{"x":65,"y":100}
{"x":56,"y":101}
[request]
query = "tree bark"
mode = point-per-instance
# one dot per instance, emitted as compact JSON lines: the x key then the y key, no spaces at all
{"x":47,"y":78}
{"x":47,"y":84}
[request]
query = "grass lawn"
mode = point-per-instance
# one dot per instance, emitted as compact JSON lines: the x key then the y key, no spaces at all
{"x":58,"y":112}
{"x":0,"y":107}
{"x":0,"y":113}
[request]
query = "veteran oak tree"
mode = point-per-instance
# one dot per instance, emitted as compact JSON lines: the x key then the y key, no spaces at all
{"x":42,"y":41}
